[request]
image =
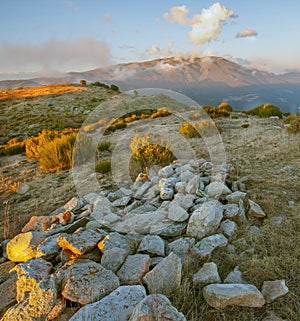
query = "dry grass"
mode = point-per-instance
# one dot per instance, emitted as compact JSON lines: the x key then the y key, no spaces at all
{"x":40,"y":91}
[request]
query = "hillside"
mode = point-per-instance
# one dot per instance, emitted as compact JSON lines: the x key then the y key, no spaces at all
{"x":265,"y":160}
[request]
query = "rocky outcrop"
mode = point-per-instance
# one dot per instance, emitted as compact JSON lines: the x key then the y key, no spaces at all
{"x":105,"y":252}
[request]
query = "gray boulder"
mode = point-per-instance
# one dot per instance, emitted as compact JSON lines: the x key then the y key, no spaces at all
{"x":156,"y":307}
{"x":134,"y":268}
{"x":208,"y":274}
{"x":205,"y":220}
{"x":117,"y":306}
{"x":152,"y":245}
{"x":221,"y":295}
{"x":166,"y":276}
{"x":85,"y":281}
{"x":272,"y":290}
{"x":205,"y":247}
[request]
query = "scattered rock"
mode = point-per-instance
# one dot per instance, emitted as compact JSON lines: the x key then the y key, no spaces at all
{"x":228,"y":228}
{"x":204,"y":248}
{"x":272,"y":290}
{"x":208,"y":274}
{"x":205,"y":220}
{"x":23,"y":247}
{"x":216,"y":189}
{"x":113,"y":258}
{"x":235,"y":277}
{"x":255,"y":210}
{"x":152,"y":245}
{"x":156,"y":307}
{"x":134,"y":268}
{"x":182,"y":246}
{"x":85,"y":281}
{"x":80,"y":242}
{"x":117,"y":306}
{"x":221,"y":295}
{"x":165,"y":277}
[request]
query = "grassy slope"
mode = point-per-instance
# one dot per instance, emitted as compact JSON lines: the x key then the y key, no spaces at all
{"x":259,"y":151}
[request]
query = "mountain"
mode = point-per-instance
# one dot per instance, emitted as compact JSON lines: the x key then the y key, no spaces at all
{"x":205,"y":71}
{"x":208,"y":80}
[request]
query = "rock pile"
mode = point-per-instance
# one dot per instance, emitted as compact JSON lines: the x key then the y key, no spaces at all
{"x":118,"y":255}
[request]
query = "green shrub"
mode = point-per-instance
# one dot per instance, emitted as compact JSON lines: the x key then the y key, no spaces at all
{"x":265,"y":111}
{"x":12,"y":147}
{"x":104,"y":146}
{"x":293,"y":124}
{"x":114,"y":87}
{"x":188,"y":130}
{"x":147,"y":153}
{"x":103,"y":166}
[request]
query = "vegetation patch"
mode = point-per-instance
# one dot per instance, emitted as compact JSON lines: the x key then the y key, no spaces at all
{"x":265,"y":111}
{"x":292,"y":123}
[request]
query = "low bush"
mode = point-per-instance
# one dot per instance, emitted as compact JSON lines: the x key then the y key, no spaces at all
{"x":292,"y":123}
{"x":147,"y":152}
{"x":188,"y":130}
{"x":12,"y":147}
{"x":103,"y":166}
{"x":265,"y":111}
{"x":54,"y":149}
{"x":215,"y":112}
{"x":104,"y":146}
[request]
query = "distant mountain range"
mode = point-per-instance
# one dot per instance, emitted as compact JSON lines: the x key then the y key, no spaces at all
{"x":208,"y":80}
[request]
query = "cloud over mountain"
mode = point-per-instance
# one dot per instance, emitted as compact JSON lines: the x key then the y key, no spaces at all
{"x":206,"y":26}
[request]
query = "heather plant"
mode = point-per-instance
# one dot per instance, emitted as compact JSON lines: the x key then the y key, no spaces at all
{"x":292,"y":123}
{"x":147,"y":151}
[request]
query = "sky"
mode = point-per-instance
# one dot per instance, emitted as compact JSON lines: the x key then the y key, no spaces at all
{"x":48,"y":37}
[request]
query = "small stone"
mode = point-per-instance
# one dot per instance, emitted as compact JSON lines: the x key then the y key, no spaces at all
{"x":182,"y":246}
{"x":216,"y":189}
{"x":156,"y":307}
{"x":165,"y":277}
{"x":85,"y":281}
{"x":205,"y":220}
{"x":228,"y":228}
{"x":177,"y":213}
{"x":235,"y":197}
{"x":117,"y":306}
{"x":166,"y":193}
{"x":49,"y":248}
{"x":205,"y":247}
{"x":113,"y":258}
{"x":193,"y":185}
{"x":23,"y":247}
{"x":166,"y":172}
{"x":74,"y":204}
{"x":208,"y":274}
{"x":8,"y":290}
{"x":115,"y":239}
{"x":134,"y":268}
{"x":254,"y":230}
{"x":23,"y":189}
{"x":152,"y":245}
{"x":221,"y":295}
{"x":272,"y":290}
{"x":255,"y":210}
{"x":235,"y":277}
{"x":231,"y":210}
{"x":121,"y":202}
{"x":81,"y":242}
{"x":142,"y":190}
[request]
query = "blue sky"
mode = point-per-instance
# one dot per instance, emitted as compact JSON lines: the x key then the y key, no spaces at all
{"x":45,"y":37}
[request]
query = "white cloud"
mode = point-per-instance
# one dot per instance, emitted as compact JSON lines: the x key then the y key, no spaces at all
{"x":154,"y":50}
{"x":79,"y":53}
{"x":247,"y":33}
{"x":71,"y":5}
{"x":206,"y":26}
